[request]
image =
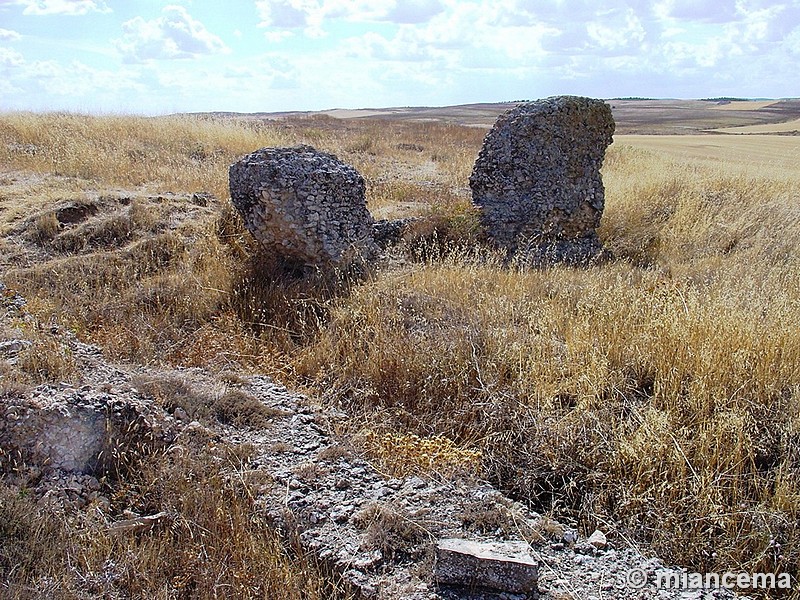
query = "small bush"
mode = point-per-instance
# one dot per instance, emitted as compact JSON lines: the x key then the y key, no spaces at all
{"x":215,"y":540}
{"x":233,"y":407}
{"x":45,"y":227}
{"x":240,"y":409}
{"x":443,"y":234}
{"x":27,"y":527}
{"x":48,"y":361}
{"x":391,"y":530}
{"x":403,"y":454}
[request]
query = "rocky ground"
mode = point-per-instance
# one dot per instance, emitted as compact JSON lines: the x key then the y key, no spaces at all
{"x":379,"y":532}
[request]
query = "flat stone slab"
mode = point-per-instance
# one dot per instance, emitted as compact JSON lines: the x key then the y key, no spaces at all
{"x":500,"y":566}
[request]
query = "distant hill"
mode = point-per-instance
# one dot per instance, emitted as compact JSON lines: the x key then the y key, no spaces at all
{"x":632,"y":114}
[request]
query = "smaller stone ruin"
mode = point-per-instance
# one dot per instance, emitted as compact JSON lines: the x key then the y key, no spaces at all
{"x":305,"y":205}
{"x":79,"y":430}
{"x":537,"y":180}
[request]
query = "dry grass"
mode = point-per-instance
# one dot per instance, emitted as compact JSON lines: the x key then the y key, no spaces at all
{"x":161,"y":154}
{"x":392,"y":531}
{"x":404,"y":454}
{"x":215,"y":545}
{"x":227,"y":406}
{"x":660,"y":392}
{"x":785,"y":127}
{"x":657,"y":396}
{"x":753,"y":154}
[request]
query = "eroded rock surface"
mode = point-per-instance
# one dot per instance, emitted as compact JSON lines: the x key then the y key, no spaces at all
{"x":79,"y":430}
{"x":303,"y":204}
{"x":537,"y":179}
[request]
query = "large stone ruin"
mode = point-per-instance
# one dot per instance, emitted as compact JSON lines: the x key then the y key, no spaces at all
{"x":305,"y":205}
{"x":537,"y":179}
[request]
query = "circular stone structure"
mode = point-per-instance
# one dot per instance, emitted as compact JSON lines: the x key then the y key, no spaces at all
{"x":304,"y":204}
{"x":537,"y":179}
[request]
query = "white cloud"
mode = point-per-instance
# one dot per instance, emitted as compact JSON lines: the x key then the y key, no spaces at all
{"x":617,"y":31}
{"x":413,"y":11}
{"x":759,"y":25}
{"x":403,"y":47}
{"x":61,"y":7}
{"x":175,"y":34}
{"x":10,"y":58}
{"x":714,"y":11}
{"x":311,"y":15}
{"x":288,"y":14}
{"x":398,"y":52}
{"x":791,"y":43}
{"x":278,"y":36}
{"x":467,"y":33}
{"x":625,"y":47}
{"x":684,"y":56}
{"x":48,"y":84}
{"x":7,"y":35}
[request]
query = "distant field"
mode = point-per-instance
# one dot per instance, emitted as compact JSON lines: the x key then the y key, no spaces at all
{"x":744,"y":105}
{"x":745,"y":151}
{"x":669,"y":116}
{"x":785,"y":127}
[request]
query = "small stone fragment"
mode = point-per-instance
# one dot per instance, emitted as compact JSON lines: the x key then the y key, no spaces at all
{"x":570,"y":536}
{"x":597,"y":539}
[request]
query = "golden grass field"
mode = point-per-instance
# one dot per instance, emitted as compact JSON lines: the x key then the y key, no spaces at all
{"x":750,"y":154}
{"x":656,"y":397}
{"x":783,"y":127}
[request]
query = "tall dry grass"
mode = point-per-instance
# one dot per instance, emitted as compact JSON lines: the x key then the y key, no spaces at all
{"x":162,"y":154}
{"x":215,"y":544}
{"x":656,"y":397}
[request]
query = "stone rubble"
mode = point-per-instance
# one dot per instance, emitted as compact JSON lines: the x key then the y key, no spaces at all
{"x":305,"y":205}
{"x":337,"y":502}
{"x":388,"y":232}
{"x":537,"y":180}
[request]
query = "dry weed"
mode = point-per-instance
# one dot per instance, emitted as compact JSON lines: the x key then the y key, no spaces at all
{"x":391,"y":530}
{"x":401,"y":455}
{"x":215,"y":544}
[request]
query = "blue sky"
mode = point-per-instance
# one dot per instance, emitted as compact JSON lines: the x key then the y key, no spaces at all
{"x":115,"y":56}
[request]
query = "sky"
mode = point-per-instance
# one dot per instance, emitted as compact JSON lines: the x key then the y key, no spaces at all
{"x":149,"y":57}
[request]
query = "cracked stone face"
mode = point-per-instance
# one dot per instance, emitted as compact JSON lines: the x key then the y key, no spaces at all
{"x":537,"y":179}
{"x":303,"y":204}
